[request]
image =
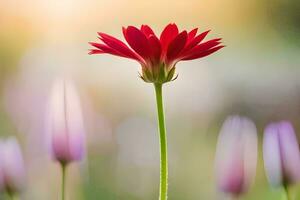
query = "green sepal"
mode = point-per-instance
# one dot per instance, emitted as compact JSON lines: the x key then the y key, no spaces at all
{"x":171,"y":74}
{"x":162,"y":74}
{"x":158,"y":74}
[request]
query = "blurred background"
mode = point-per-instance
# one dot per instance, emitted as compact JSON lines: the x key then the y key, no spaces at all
{"x":256,"y":75}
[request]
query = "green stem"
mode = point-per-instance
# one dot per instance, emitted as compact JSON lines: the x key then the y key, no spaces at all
{"x":288,"y":194}
{"x":12,"y":196}
{"x":63,"y":181}
{"x":163,"y":191}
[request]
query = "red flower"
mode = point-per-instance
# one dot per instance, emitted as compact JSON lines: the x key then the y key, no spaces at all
{"x":158,"y":56}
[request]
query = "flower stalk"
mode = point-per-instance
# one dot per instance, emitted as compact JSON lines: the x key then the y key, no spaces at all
{"x":63,"y":180}
{"x":12,"y":196}
{"x":288,"y":195}
{"x":163,"y":191}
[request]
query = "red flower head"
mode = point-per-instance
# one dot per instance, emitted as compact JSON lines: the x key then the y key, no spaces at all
{"x":158,"y":56}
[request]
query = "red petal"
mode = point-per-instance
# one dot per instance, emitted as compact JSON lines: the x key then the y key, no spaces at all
{"x":124,"y":30}
{"x":207,"y":45}
{"x":95,"y":51}
{"x":203,"y":53}
{"x":118,"y":45}
{"x":97,"y":45}
{"x":176,"y":46}
{"x":107,"y":49}
{"x":192,"y":34}
{"x":155,"y":48}
{"x":201,"y":47}
{"x":138,"y":41}
{"x":147,"y":30}
{"x":167,"y":35}
{"x":196,"y":41}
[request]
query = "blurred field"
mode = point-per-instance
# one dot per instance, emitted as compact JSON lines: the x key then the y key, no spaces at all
{"x":256,"y":75}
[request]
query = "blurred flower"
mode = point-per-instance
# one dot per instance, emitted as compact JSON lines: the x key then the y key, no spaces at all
{"x":65,"y":123}
{"x":158,"y":56}
{"x":281,"y":154}
{"x":12,"y":168}
{"x":236,"y":155}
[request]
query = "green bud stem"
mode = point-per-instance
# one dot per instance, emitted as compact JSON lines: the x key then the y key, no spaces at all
{"x":288,"y":195}
{"x":163,"y":192}
{"x":63,"y":181}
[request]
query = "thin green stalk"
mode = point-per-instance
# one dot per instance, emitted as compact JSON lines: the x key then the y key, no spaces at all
{"x":63,"y":181}
{"x":288,"y":195}
{"x":163,"y":190}
{"x":12,"y":196}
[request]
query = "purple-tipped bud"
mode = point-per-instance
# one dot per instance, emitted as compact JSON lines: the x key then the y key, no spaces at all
{"x":12,"y":168}
{"x":65,"y":123}
{"x":281,"y":154}
{"x":236,"y":155}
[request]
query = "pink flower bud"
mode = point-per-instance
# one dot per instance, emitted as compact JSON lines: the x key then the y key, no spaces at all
{"x":65,"y":123}
{"x":281,"y":154}
{"x":12,"y":169}
{"x":236,"y":155}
